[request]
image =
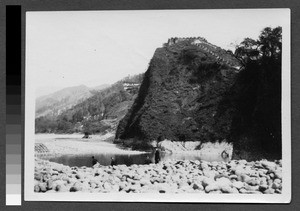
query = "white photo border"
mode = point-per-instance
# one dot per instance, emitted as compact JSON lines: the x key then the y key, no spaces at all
{"x":285,"y":197}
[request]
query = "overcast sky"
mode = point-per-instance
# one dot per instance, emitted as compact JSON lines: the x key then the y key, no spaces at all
{"x":101,"y":47}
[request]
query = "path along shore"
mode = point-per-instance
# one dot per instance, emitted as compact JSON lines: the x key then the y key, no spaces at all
{"x":171,"y":176}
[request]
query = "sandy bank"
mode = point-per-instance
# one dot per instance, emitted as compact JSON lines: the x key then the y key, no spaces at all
{"x":172,"y":176}
{"x":69,"y":144}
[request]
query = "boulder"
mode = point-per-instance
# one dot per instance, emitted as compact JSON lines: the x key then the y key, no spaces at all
{"x":278,"y":174}
{"x":79,"y":176}
{"x":223,"y":181}
{"x":269,"y":191}
{"x":276,"y":185}
{"x":61,"y":188}
{"x":228,"y":189}
{"x":268,"y":165}
{"x":233,"y":177}
{"x":43,"y":186}
{"x":212,"y":187}
{"x":49,"y":184}
{"x":38,"y":176}
{"x":207,"y":181}
{"x":253,"y":182}
{"x":37,"y":188}
{"x":238,"y":184}
{"x":263,"y":187}
{"x":197,"y":186}
{"x":107,"y":186}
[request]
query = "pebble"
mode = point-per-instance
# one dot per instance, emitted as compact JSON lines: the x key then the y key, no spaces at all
{"x":166,"y":177}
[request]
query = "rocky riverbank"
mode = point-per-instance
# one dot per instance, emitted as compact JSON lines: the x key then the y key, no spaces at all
{"x":172,"y":176}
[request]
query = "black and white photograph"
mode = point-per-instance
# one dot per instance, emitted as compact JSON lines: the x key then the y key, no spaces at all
{"x":158,"y":106}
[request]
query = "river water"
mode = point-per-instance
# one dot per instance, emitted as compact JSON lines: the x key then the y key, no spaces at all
{"x":105,"y":159}
{"x":108,"y":151}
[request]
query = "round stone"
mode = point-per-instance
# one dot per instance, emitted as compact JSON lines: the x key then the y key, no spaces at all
{"x":43,"y":187}
{"x":37,"y":188}
{"x":238,"y":184}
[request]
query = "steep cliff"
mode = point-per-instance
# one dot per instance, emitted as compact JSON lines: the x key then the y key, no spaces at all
{"x":195,"y":91}
{"x":181,"y":94}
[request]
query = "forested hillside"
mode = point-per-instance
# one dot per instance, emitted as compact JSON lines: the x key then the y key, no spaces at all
{"x":98,"y":113}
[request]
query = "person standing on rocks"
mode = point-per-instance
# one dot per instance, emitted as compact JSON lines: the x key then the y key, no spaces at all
{"x":94,"y":161}
{"x":157,"y":156}
{"x":113,"y":162}
{"x":225,"y":155}
{"x":86,"y":135}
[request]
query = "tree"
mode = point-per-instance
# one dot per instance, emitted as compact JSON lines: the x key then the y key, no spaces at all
{"x":268,"y":46}
{"x":270,"y":42}
{"x":247,"y":50}
{"x":260,"y":103}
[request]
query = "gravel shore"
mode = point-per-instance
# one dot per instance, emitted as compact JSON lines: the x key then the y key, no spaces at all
{"x":171,"y":176}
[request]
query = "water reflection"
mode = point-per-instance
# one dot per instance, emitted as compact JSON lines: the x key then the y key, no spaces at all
{"x":105,"y":159}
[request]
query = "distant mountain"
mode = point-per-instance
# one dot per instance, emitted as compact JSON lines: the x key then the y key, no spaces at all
{"x":95,"y":111}
{"x":46,"y":90}
{"x":59,"y":101}
{"x":100,"y":87}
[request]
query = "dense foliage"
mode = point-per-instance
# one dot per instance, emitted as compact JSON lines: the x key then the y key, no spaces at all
{"x":257,"y":121}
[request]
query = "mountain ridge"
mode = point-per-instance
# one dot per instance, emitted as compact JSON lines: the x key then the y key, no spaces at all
{"x":86,"y":115}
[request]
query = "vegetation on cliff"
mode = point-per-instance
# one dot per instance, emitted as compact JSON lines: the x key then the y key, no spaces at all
{"x":180,"y":95}
{"x":195,"y":91}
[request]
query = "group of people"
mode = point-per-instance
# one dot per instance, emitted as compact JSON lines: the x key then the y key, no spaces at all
{"x":113,"y":162}
{"x":157,"y":158}
{"x":95,"y":161}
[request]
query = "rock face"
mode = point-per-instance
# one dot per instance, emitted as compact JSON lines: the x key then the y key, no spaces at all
{"x":181,"y":96}
{"x":196,"y":91}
